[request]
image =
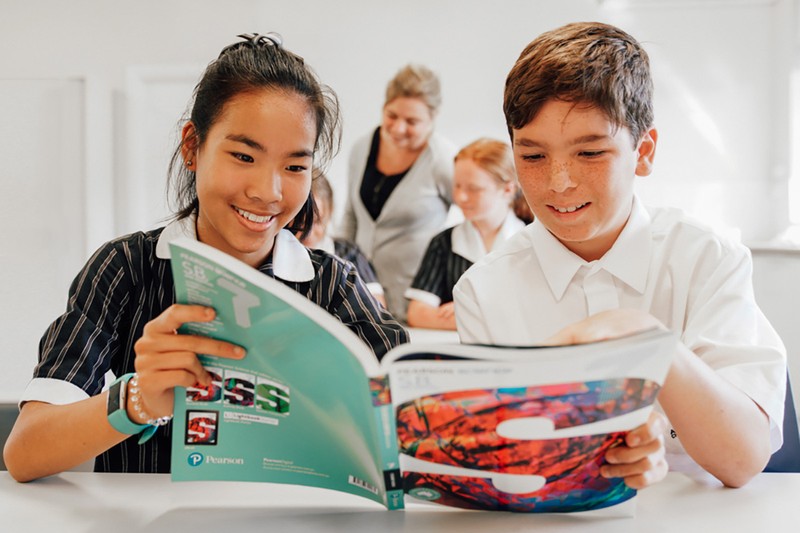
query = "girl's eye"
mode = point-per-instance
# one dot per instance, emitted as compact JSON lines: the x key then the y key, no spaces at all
{"x":296,"y":168}
{"x":243,"y":157}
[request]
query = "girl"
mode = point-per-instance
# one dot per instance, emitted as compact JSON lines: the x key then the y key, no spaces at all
{"x":242,"y":173}
{"x":484,"y":187}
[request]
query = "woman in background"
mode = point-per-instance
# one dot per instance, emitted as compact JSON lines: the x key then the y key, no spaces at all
{"x":400,"y":181}
{"x":320,"y":238}
{"x":485,"y":188}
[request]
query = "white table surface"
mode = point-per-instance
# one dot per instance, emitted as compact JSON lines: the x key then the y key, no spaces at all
{"x":111,"y":503}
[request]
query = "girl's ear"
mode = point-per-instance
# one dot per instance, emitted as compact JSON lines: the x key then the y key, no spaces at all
{"x":647,"y":152}
{"x":189,"y":145}
{"x":510,"y":189}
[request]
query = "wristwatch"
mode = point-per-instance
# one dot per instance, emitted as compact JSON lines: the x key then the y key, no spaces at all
{"x":117,"y":408}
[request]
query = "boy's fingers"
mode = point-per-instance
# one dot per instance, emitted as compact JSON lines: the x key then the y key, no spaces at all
{"x":654,"y":428}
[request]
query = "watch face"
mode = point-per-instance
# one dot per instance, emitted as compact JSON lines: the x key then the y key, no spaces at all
{"x":114,"y":402}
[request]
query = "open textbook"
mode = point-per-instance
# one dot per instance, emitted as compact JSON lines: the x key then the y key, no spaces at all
{"x":477,"y":427}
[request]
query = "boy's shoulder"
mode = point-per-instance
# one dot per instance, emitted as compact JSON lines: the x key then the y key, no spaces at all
{"x":675,"y":227}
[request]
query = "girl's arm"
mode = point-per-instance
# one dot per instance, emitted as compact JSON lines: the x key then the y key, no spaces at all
{"x":423,"y":315}
{"x":48,"y":439}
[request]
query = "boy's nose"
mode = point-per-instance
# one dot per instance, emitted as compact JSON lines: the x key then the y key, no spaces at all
{"x":560,"y":179}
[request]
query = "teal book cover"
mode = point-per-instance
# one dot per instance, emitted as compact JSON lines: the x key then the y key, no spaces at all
{"x":521,"y":429}
{"x":297,"y":409}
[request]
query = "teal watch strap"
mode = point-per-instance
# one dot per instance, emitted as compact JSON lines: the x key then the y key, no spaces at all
{"x":117,"y":408}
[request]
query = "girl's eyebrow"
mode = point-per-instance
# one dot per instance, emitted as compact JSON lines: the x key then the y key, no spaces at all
{"x":244,"y":139}
{"x":255,"y":145}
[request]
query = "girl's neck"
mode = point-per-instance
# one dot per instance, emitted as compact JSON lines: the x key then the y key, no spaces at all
{"x":488,"y":228}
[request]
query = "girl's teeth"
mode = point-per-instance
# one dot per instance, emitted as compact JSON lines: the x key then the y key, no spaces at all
{"x":252,"y":217}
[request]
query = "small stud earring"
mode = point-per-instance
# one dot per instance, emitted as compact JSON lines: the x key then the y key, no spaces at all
{"x":189,"y":163}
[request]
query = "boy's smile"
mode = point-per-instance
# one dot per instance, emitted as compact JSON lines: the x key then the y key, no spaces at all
{"x":577,"y":171}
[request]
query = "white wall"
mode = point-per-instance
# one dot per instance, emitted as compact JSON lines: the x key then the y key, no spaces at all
{"x":721,"y":71}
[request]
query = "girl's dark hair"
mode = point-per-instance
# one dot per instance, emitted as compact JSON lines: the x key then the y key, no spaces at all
{"x":256,"y":63}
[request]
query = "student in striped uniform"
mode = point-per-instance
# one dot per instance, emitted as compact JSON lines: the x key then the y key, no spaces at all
{"x":319,"y":237}
{"x":242,"y":177}
{"x":485,"y":188}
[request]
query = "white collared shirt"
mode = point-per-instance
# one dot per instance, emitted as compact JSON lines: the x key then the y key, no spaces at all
{"x":444,"y":262}
{"x":467,"y":242}
{"x":289,"y":257}
{"x":694,"y":282}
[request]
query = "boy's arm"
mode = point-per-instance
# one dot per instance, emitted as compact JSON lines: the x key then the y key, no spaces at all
{"x":720,"y":427}
{"x":470,"y":322}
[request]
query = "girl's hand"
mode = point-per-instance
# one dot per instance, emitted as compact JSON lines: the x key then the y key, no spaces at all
{"x":166,"y":359}
{"x":640,"y":461}
{"x":447,"y":310}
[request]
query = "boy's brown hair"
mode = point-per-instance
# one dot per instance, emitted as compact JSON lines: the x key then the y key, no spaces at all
{"x":584,"y":63}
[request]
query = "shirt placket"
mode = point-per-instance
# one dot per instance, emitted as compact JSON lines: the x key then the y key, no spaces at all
{"x":600,"y":291}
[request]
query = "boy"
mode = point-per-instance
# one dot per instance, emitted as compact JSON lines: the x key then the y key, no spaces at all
{"x":596,"y":264}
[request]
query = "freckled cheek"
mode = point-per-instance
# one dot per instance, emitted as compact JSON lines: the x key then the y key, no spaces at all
{"x":533,"y":186}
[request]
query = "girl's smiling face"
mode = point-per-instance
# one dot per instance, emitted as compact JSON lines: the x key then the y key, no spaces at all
{"x":253,"y":171}
{"x":481,"y":196}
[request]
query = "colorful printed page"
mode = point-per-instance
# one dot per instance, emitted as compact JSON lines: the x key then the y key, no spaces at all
{"x":298,"y":408}
{"x":523,"y":430}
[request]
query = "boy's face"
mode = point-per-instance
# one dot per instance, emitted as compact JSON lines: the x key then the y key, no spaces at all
{"x":577,"y":170}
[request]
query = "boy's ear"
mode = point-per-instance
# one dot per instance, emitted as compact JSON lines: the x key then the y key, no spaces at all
{"x":189,"y":145}
{"x":647,"y":152}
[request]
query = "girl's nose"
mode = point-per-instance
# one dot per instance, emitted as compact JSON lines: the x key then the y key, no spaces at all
{"x":266,"y":187}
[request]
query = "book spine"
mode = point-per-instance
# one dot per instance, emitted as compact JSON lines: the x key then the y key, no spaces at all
{"x":390,"y":455}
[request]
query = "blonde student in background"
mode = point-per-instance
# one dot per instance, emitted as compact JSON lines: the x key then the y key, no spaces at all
{"x":319,"y":237}
{"x":596,"y":263}
{"x":241,"y":176}
{"x":485,"y":188}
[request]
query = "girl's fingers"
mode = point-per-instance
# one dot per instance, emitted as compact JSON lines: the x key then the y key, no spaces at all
{"x":186,"y":362}
{"x":197,"y":344}
{"x":177,"y":315}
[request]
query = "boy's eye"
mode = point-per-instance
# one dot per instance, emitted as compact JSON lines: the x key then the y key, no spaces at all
{"x":592,"y":153}
{"x":532,"y":157}
{"x":243,"y":157}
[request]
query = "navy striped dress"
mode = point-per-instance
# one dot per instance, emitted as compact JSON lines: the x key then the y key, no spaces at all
{"x":124,"y":285}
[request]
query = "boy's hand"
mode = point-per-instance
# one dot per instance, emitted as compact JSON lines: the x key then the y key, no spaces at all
{"x":605,"y":325}
{"x":640,"y":460}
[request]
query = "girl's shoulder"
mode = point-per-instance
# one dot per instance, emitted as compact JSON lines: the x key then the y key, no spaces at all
{"x":133,"y":252}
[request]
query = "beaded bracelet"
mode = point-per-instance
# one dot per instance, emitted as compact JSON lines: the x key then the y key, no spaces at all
{"x":136,"y":402}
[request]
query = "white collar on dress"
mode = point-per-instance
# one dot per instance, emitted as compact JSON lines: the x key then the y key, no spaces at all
{"x":466,"y":241}
{"x":290,"y":259}
{"x":628,"y":259}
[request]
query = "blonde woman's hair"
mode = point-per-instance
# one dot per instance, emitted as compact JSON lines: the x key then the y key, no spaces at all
{"x":416,"y":81}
